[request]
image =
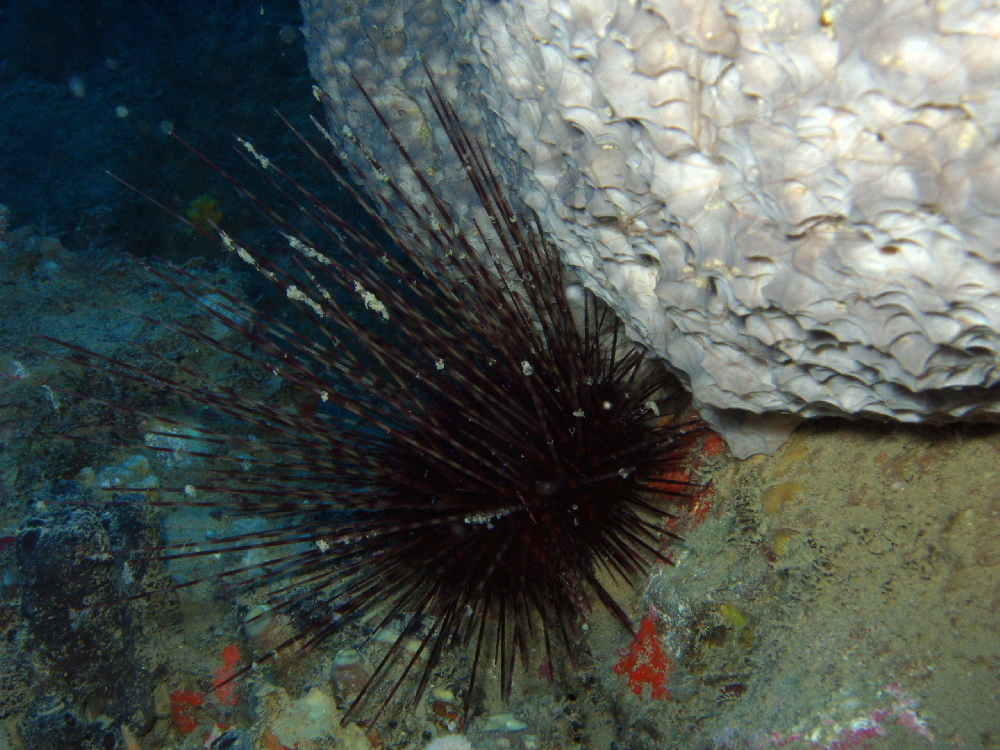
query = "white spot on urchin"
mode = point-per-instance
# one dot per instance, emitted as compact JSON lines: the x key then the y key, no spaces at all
{"x":527,"y":369}
{"x":294,"y":293}
{"x":264,"y":162}
{"x":307,"y":250}
{"x":241,"y":252}
{"x":372,"y":302}
{"x":487,"y":518}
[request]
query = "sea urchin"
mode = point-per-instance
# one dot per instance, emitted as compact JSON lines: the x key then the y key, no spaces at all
{"x":477,"y":458}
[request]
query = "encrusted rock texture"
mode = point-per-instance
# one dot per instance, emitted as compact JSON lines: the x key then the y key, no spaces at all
{"x":794,"y":203}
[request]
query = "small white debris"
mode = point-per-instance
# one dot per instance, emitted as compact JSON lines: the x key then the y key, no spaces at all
{"x":450,"y":742}
{"x":307,"y":250}
{"x":372,"y":302}
{"x":242,"y":254}
{"x":262,"y":160}
{"x":527,"y":369}
{"x":504,"y":723}
{"x":294,"y":293}
{"x":439,"y":364}
{"x":190,"y":491}
{"x":487,"y":518}
{"x":443,"y":694}
{"x":579,"y":413}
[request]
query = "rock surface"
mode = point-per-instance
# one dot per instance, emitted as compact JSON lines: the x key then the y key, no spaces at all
{"x":794,"y":204}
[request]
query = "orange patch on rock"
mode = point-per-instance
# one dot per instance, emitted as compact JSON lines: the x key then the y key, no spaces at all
{"x":182,"y":703}
{"x":645,"y":663}
{"x":224,"y":690}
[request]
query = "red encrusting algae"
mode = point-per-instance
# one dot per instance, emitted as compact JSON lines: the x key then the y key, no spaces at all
{"x":181,"y":704}
{"x":645,"y":663}
{"x":713,"y":445}
{"x":225,"y":690}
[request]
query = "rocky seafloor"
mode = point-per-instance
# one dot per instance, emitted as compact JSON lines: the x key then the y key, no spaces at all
{"x":842,"y":593}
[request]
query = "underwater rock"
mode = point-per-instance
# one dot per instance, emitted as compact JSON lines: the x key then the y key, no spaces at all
{"x":49,"y":723}
{"x":84,"y":659}
{"x":232,"y":739}
{"x":792,"y":204}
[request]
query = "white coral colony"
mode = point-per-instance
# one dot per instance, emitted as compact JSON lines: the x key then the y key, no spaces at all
{"x":795,"y":203}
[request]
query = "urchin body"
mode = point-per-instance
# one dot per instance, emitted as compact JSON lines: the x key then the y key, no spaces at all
{"x":480,"y":457}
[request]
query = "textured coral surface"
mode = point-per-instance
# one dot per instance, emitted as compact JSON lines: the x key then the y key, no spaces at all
{"x":794,"y":203}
